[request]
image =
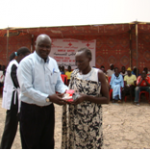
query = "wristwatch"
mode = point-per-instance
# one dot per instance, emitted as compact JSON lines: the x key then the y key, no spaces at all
{"x":47,"y":99}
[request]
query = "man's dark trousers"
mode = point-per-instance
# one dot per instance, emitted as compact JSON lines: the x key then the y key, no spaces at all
{"x":37,"y":126}
{"x":11,"y":124}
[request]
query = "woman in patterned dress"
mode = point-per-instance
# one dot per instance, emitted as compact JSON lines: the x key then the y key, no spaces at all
{"x":82,"y":119}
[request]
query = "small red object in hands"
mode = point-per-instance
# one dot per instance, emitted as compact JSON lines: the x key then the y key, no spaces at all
{"x":68,"y":95}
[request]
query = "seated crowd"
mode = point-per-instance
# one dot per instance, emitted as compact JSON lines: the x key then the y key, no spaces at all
{"x":122,"y":83}
{"x":127,"y":82}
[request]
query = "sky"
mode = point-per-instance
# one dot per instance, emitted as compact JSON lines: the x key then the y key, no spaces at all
{"x":41,"y":13}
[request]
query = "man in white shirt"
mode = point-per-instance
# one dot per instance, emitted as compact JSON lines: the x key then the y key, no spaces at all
{"x":39,"y":80}
{"x":1,"y":79}
{"x":111,"y":70}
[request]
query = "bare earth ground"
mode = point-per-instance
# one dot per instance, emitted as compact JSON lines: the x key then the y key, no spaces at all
{"x":125,"y":126}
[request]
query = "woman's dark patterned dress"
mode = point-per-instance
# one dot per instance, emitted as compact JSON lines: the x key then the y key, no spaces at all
{"x":82,"y":123}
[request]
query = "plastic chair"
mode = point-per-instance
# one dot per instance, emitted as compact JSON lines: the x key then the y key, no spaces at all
{"x":125,"y":99}
{"x":109,"y":79}
{"x":64,"y":79}
{"x":146,"y":95}
{"x":110,"y":93}
{"x":111,"y":90}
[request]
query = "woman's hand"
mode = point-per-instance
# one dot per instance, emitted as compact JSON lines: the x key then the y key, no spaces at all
{"x":82,"y":97}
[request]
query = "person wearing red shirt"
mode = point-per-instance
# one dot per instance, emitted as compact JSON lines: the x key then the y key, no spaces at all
{"x":143,"y":84}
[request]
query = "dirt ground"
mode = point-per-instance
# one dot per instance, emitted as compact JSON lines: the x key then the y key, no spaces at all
{"x":125,"y":126}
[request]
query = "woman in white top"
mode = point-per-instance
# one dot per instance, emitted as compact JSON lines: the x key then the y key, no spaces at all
{"x":82,"y":122}
{"x":10,"y":98}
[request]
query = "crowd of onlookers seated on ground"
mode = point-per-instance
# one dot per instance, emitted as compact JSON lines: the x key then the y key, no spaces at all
{"x":127,"y":82}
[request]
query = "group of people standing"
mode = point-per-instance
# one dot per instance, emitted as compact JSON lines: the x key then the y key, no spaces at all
{"x":127,"y":82}
{"x":35,"y":85}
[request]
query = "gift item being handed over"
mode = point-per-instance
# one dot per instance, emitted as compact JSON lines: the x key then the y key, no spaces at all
{"x":70,"y":95}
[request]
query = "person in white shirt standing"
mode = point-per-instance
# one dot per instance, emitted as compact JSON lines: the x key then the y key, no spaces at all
{"x":10,"y":98}
{"x":1,"y":79}
{"x":39,"y":79}
{"x":110,"y":71}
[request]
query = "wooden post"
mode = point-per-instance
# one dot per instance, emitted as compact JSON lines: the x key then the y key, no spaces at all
{"x":32,"y":43}
{"x":130,"y":45}
{"x":136,"y":37}
{"x":7,"y":46}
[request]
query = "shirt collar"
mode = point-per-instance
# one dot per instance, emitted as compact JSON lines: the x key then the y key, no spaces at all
{"x":15,"y":61}
{"x":41,"y":59}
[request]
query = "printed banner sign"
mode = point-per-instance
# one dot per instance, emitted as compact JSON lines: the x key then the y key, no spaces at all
{"x":64,"y":50}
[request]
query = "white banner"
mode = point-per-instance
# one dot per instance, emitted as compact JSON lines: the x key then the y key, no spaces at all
{"x":64,"y":50}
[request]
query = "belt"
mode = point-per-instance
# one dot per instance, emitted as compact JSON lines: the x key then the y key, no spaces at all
{"x":37,"y":105}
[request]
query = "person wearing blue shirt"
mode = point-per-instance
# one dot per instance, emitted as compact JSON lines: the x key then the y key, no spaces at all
{"x":116,"y":84}
{"x":39,"y":79}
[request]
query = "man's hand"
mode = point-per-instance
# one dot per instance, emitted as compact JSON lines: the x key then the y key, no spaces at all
{"x":57,"y":99}
{"x":142,"y":79}
{"x":60,"y":95}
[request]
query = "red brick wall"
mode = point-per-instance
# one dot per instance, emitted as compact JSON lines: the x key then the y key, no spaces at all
{"x":15,"y":42}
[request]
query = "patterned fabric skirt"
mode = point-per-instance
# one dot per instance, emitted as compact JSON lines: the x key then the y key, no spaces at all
{"x":82,"y":126}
